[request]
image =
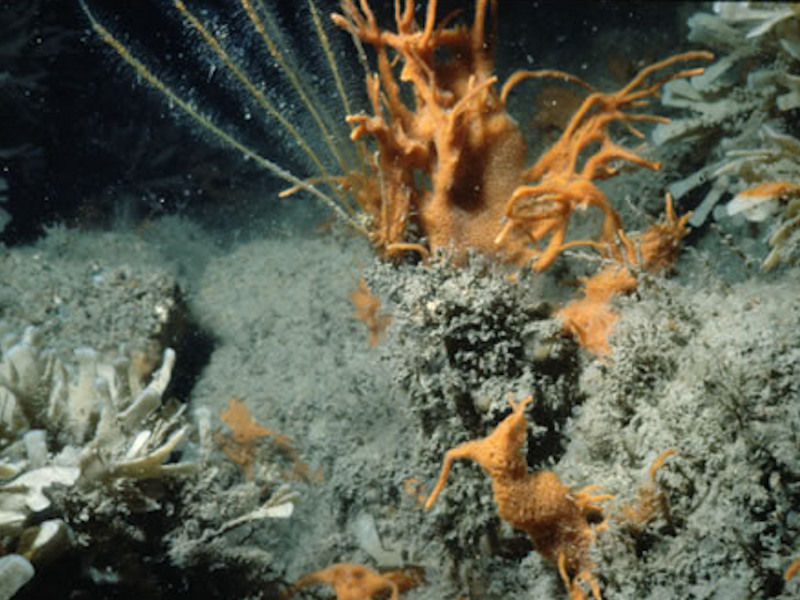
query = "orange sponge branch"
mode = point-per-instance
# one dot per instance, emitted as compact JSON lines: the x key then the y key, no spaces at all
{"x":563,"y":179}
{"x":450,"y":164}
{"x":555,"y":519}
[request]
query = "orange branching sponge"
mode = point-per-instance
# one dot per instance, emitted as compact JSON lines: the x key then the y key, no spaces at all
{"x":591,"y":319}
{"x":245,"y":433}
{"x":650,"y":502}
{"x":241,"y":443}
{"x":368,"y":310}
{"x":552,"y":110}
{"x":762,"y":192}
{"x":657,"y":247}
{"x":447,"y":162}
{"x":358,"y":582}
{"x":556,"y":520}
{"x":762,"y":201}
{"x":563,"y":179}
{"x":451,"y":162}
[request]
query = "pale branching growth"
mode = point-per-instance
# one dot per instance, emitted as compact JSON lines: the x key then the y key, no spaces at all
{"x":92,"y":425}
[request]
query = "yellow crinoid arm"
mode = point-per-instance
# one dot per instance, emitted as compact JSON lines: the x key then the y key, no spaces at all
{"x":207,"y":123}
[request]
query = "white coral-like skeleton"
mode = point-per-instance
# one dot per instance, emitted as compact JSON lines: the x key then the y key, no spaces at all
{"x":771,"y":175}
{"x":105,"y":423}
{"x":740,"y":97}
{"x":763,"y":17}
{"x":99,"y":406}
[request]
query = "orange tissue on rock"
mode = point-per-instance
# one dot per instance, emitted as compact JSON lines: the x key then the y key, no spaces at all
{"x":368,"y":309}
{"x":450,"y":155}
{"x":452,"y":162}
{"x":358,"y":582}
{"x":241,"y":443}
{"x":591,"y":319}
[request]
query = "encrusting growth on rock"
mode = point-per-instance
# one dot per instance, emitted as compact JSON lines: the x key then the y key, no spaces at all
{"x":792,"y":570}
{"x":241,"y":443}
{"x":591,"y":319}
{"x":245,"y":433}
{"x":368,"y":310}
{"x":557,"y":521}
{"x":761,"y":201}
{"x":650,"y":501}
{"x":357,"y":582}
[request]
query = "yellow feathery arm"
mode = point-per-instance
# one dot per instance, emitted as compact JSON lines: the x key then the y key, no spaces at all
{"x":291,"y":74}
{"x":207,"y":124}
{"x":213,"y":43}
{"x":326,"y":47}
